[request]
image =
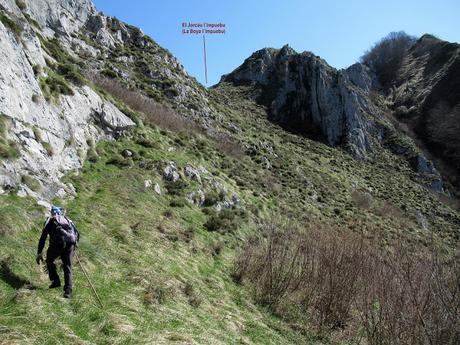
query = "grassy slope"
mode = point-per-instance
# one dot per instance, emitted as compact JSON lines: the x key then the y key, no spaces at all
{"x":161,"y":278}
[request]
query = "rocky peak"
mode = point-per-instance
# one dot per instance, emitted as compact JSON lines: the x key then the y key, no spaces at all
{"x":302,"y":92}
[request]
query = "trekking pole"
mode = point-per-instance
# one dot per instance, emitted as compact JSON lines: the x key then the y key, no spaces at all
{"x":89,"y":281}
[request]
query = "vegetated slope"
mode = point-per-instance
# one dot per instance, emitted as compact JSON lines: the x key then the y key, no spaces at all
{"x":163,"y":262}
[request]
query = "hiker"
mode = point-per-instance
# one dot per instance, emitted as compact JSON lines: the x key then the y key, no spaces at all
{"x":64,"y":237}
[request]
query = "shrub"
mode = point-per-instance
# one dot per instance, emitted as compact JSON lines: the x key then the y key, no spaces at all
{"x":193,"y":297}
{"x":49,"y":149}
{"x":361,"y":199}
{"x":31,"y":182}
{"x":228,"y":145}
{"x":387,"y":55}
{"x":12,"y":25}
{"x":70,"y":73}
{"x":176,"y":188}
{"x":397,"y":296}
{"x":8,"y":148}
{"x":154,"y":112}
{"x":54,"y":85}
{"x":37,"y":69}
{"x":223,"y":221}
{"x":211,"y":198}
{"x":109,"y":73}
{"x":177,"y":202}
{"x":119,"y":162}
{"x":21,"y":4}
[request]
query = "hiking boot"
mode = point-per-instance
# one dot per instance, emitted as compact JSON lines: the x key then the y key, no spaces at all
{"x":55,"y":284}
{"x":67,"y":293}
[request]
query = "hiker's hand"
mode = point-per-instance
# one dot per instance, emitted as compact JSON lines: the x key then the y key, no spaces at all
{"x":39,"y":258}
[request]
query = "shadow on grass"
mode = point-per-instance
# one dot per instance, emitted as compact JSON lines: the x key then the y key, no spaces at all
{"x":12,"y":279}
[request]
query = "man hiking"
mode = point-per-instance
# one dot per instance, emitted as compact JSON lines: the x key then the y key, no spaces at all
{"x":64,"y":237}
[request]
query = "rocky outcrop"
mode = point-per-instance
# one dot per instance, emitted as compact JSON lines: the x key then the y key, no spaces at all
{"x":426,"y":97}
{"x":303,"y":93}
{"x":52,"y":136}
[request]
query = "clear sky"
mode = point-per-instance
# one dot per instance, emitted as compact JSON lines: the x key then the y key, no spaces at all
{"x":338,"y":31}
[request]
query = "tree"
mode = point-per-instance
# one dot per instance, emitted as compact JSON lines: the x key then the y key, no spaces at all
{"x":387,"y":55}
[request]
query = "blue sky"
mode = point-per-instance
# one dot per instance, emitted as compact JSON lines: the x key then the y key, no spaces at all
{"x":338,"y":31}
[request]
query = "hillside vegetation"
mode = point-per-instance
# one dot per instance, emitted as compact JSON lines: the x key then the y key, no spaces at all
{"x":205,"y":222}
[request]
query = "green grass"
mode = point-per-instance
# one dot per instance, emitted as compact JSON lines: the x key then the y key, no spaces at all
{"x":21,"y":4}
{"x":160,"y":277}
{"x":12,"y":25}
{"x":161,"y":266}
{"x":8,"y":148}
{"x":53,"y":85}
{"x":31,"y":182}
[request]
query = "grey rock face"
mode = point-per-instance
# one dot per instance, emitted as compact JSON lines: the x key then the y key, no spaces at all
{"x":67,"y":128}
{"x":63,"y":17}
{"x":303,"y":93}
{"x":147,"y":184}
{"x":170,"y":172}
{"x":428,"y":173}
{"x":192,"y":173}
{"x":196,"y":197}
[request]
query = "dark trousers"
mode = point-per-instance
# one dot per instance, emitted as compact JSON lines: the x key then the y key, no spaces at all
{"x":66,"y":255}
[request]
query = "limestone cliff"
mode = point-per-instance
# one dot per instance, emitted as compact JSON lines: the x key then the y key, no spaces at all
{"x":306,"y":95}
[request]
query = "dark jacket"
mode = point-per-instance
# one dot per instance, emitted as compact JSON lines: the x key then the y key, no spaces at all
{"x":48,"y":228}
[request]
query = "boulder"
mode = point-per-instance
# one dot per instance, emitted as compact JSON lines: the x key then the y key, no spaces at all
{"x":170,"y":172}
{"x":196,"y":197}
{"x":192,"y":173}
{"x":157,"y":189}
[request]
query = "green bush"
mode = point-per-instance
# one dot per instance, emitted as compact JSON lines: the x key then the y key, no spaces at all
{"x":8,"y":148}
{"x":109,"y":73}
{"x":120,"y":162}
{"x":37,"y":70}
{"x":223,"y":221}
{"x":49,"y":149}
{"x":211,"y":198}
{"x":177,"y":202}
{"x":176,"y":188}
{"x":21,"y":4}
{"x":54,"y":85}
{"x":12,"y":25}
{"x":147,"y":143}
{"x":70,"y":73}
{"x":31,"y":182}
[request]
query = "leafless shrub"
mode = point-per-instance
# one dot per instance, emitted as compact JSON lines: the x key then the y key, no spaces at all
{"x":361,"y":199}
{"x":155,"y":113}
{"x":398,"y":295}
{"x":4,"y":229}
{"x":164,"y":117}
{"x":317,"y":267}
{"x":228,"y":145}
{"x":386,"y":56}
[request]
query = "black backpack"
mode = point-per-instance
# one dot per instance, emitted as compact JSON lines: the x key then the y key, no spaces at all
{"x":64,"y":233}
